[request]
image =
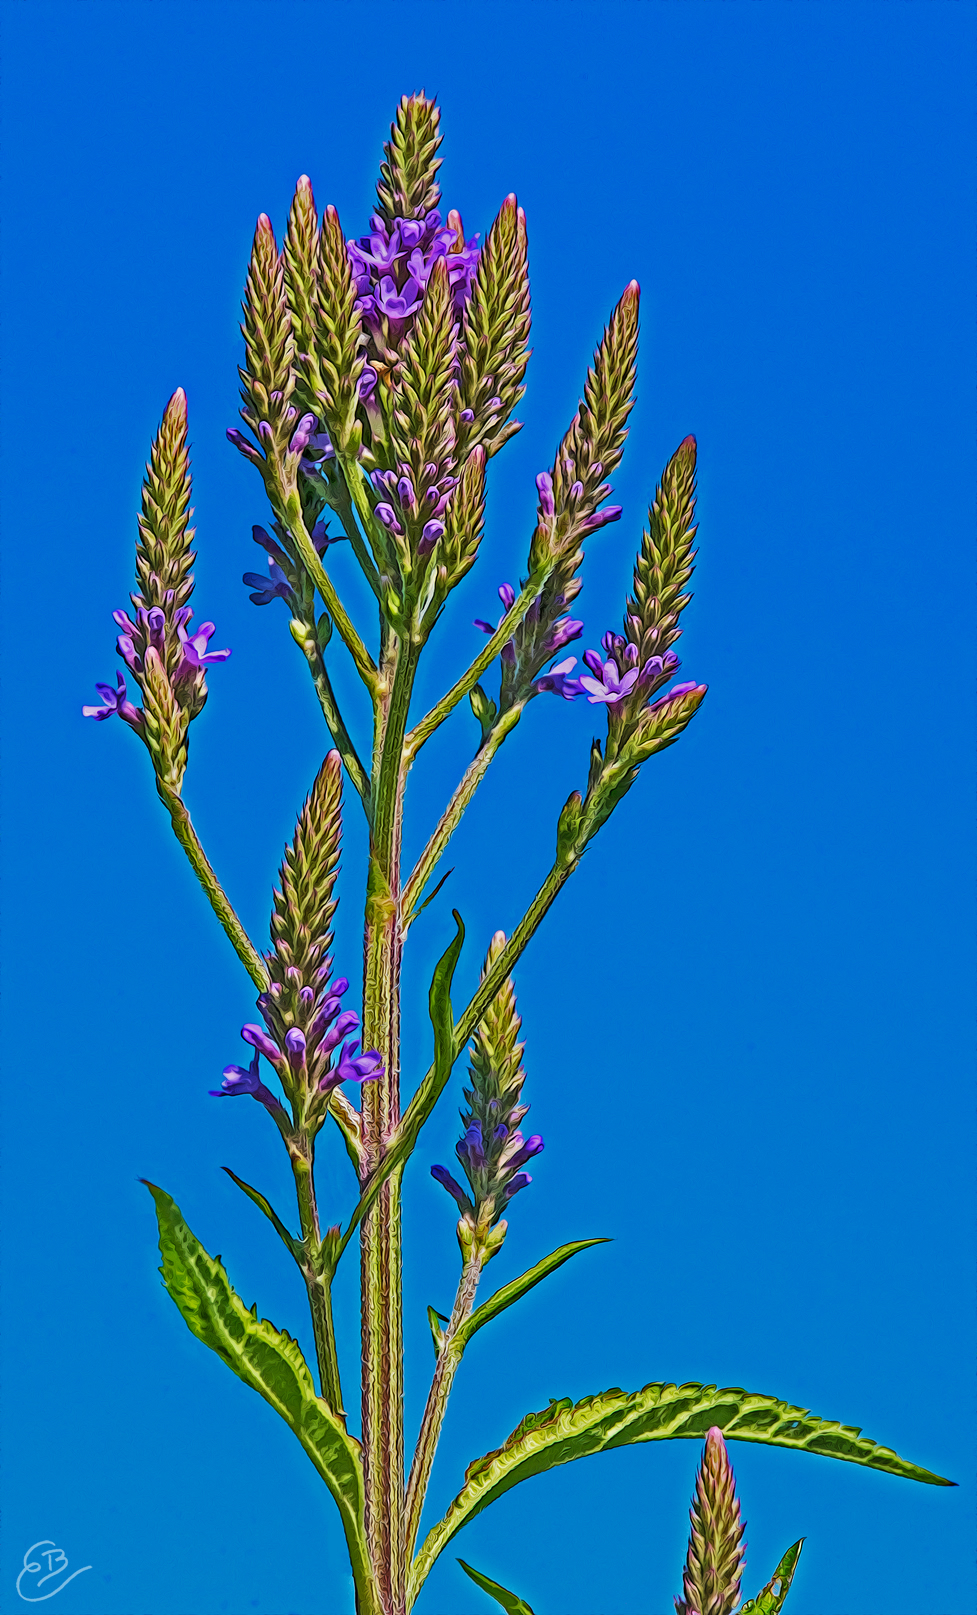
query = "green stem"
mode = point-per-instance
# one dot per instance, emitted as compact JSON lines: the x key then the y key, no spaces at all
{"x":334,"y":720}
{"x":449,"y":1358}
{"x":416,"y":1113}
{"x":295,"y":522}
{"x":452,"y":815}
{"x":425,"y":727}
{"x":186,"y":835}
{"x":343,"y":507}
{"x":302,"y":1155}
{"x":380,"y":1244}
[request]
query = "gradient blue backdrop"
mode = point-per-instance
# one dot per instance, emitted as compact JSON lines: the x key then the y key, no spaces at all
{"x":749,"y":1020}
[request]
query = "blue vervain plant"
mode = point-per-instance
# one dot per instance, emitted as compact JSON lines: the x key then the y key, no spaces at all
{"x":380,"y":377}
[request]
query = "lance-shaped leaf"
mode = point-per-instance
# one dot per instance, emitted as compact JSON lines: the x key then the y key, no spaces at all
{"x":445,"y":1054}
{"x":292,"y":1245}
{"x":267,"y":1360}
{"x":771,"y":1600}
{"x":517,"y":1288}
{"x":660,"y":1412}
{"x":511,"y":1603}
{"x":408,"y":186}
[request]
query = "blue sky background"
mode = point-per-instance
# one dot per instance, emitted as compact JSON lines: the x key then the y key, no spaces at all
{"x":749,"y":1022}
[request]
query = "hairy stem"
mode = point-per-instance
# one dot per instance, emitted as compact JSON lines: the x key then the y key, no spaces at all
{"x":380,"y":1246}
{"x":186,"y":835}
{"x":449,"y":1358}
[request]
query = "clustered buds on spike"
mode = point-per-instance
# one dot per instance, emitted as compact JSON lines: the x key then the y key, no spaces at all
{"x":166,"y":657}
{"x":304,"y":1020}
{"x":714,"y":1566}
{"x":492,"y":1150}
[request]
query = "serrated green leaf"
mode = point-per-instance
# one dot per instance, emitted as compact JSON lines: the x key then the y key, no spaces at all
{"x":660,"y":1412}
{"x":510,"y":1293}
{"x":509,"y":1601}
{"x":271,"y":1363}
{"x":769,"y":1602}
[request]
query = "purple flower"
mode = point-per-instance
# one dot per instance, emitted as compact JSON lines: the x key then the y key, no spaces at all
{"x":259,"y":1039}
{"x":520,"y":1181}
{"x":386,"y":514}
{"x":240,"y":442}
{"x":525,"y":1150}
{"x":600,"y":518}
{"x":367,"y":381}
{"x":353,"y":1067}
{"x":544,"y":484}
{"x":562,"y":632}
{"x":430,"y":534}
{"x":195,"y":652}
{"x":114,"y":701}
{"x":454,"y":1188}
{"x":606,"y":685}
{"x":398,"y":304}
{"x":266,"y":590}
{"x":244,"y":1079}
{"x":556,"y":681}
{"x":470,"y":1150}
{"x":302,"y":435}
{"x":295,"y":1048}
{"x":670,"y":695}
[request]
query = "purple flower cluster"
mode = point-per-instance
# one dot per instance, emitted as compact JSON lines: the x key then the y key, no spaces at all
{"x":561,"y":633}
{"x":418,"y":501}
{"x":492,"y":1167}
{"x":149,"y":633}
{"x":392,"y":266}
{"x":591,"y":523}
{"x":304,"y":1057}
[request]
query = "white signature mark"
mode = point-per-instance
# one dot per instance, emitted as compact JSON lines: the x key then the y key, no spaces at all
{"x":52,"y":1561}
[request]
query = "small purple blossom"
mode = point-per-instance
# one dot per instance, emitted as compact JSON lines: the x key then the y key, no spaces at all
{"x":259,"y":1039}
{"x":522,"y":1180}
{"x":113,"y":702}
{"x":245,"y":1080}
{"x":430,"y":534}
{"x":274,"y":587}
{"x":397,"y":305}
{"x":544,"y":484}
{"x":454,"y":1188}
{"x":195,"y":652}
{"x":675,"y":691}
{"x":353,"y":1067}
{"x":302,"y":435}
{"x":605,"y":684}
{"x":558,"y":682}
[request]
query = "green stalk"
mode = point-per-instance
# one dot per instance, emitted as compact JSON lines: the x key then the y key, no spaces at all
{"x":301,"y":1151}
{"x":295,"y":522}
{"x":425,"y":727}
{"x":453,"y":813}
{"x":449,"y":1358}
{"x":334,"y":719}
{"x":380,"y":1246}
{"x":186,"y":835}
